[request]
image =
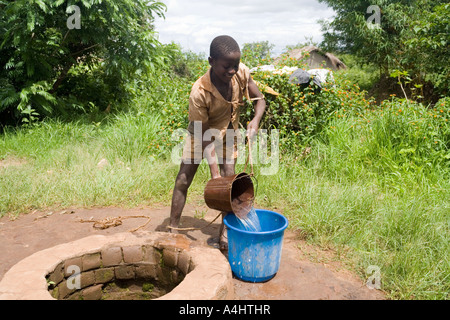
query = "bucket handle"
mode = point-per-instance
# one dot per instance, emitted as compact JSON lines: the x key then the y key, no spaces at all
{"x":250,"y":160}
{"x":251,"y":175}
{"x":249,"y":157}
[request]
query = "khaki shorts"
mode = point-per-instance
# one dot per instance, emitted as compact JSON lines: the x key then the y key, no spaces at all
{"x":226,"y":151}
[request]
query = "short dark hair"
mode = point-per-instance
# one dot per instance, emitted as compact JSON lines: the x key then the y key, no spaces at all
{"x":223,"y":45}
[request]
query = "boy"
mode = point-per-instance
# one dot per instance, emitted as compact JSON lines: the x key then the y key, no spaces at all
{"x":214,"y":106}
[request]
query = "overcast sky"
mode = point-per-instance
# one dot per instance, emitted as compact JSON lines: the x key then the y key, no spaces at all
{"x":194,"y":23}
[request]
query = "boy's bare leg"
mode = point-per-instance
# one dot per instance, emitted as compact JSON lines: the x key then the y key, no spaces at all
{"x":182,"y":184}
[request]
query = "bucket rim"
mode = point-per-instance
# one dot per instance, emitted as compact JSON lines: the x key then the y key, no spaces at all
{"x":285,"y":225}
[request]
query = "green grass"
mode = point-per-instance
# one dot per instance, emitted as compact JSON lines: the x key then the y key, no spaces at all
{"x":360,"y":195}
{"x":404,"y":234}
{"x":60,"y":165}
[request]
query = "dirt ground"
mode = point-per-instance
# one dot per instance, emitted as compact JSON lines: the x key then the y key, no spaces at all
{"x":299,"y":277}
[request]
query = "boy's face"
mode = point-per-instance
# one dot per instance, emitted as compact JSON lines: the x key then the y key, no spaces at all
{"x":226,"y":67}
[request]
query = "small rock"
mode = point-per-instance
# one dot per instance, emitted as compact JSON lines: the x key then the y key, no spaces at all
{"x":103,"y":163}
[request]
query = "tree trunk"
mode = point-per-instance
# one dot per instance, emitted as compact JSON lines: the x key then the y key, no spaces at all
{"x":61,"y":78}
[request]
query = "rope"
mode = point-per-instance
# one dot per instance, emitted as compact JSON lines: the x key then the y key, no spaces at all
{"x":194,"y":229}
{"x":249,"y":159}
{"x":113,"y":222}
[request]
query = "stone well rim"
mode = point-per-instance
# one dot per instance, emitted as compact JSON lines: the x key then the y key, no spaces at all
{"x":211,"y":274}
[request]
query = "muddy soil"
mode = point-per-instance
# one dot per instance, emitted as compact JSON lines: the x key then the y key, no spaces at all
{"x":135,"y":290}
{"x":299,"y":277}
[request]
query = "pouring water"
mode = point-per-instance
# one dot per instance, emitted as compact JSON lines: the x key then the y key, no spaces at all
{"x":250,"y":222}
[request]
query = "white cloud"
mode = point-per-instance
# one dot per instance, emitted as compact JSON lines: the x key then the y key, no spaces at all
{"x":194,"y":23}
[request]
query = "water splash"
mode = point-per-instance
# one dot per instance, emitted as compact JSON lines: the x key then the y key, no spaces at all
{"x":250,"y":222}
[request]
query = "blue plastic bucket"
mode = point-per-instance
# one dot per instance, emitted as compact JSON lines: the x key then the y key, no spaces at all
{"x":255,"y":256}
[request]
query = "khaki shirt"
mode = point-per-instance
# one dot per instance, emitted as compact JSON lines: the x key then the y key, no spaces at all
{"x":207,"y":105}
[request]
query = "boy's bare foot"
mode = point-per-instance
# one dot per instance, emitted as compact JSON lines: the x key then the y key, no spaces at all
{"x":223,"y":245}
{"x":223,"y":240}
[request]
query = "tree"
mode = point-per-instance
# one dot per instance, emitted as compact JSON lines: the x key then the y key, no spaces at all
{"x":48,"y":59}
{"x":399,"y":40}
{"x":256,"y":53}
{"x":428,"y":47}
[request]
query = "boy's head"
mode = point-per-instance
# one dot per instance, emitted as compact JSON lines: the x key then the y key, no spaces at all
{"x":224,"y":57}
{"x":222,"y":46}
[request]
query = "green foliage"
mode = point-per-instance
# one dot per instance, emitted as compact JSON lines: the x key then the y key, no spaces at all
{"x":428,"y":46}
{"x":299,"y":114}
{"x":167,"y":93}
{"x":412,"y":36}
{"x":187,"y":64}
{"x":359,"y":72}
{"x":44,"y":65}
{"x":256,"y":53}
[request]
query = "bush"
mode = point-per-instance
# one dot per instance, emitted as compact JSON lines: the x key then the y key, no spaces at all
{"x":44,"y":64}
{"x":256,"y":53}
{"x":300,"y":114}
{"x":365,"y":75}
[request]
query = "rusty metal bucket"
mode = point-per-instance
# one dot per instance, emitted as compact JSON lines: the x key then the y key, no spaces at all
{"x":231,"y":194}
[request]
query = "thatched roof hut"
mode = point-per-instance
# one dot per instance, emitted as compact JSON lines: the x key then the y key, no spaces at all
{"x":316,"y":59}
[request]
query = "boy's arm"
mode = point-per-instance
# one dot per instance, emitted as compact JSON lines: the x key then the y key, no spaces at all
{"x":260,"y":107}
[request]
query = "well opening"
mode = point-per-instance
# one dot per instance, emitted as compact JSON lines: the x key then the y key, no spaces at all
{"x":137,"y":289}
{"x":120,"y":273}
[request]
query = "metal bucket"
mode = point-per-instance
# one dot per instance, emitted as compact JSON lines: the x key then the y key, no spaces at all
{"x":231,"y":194}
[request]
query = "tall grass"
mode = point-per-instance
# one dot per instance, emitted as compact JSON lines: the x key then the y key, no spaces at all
{"x":361,"y":194}
{"x":405,"y":234}
{"x":60,"y":165}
